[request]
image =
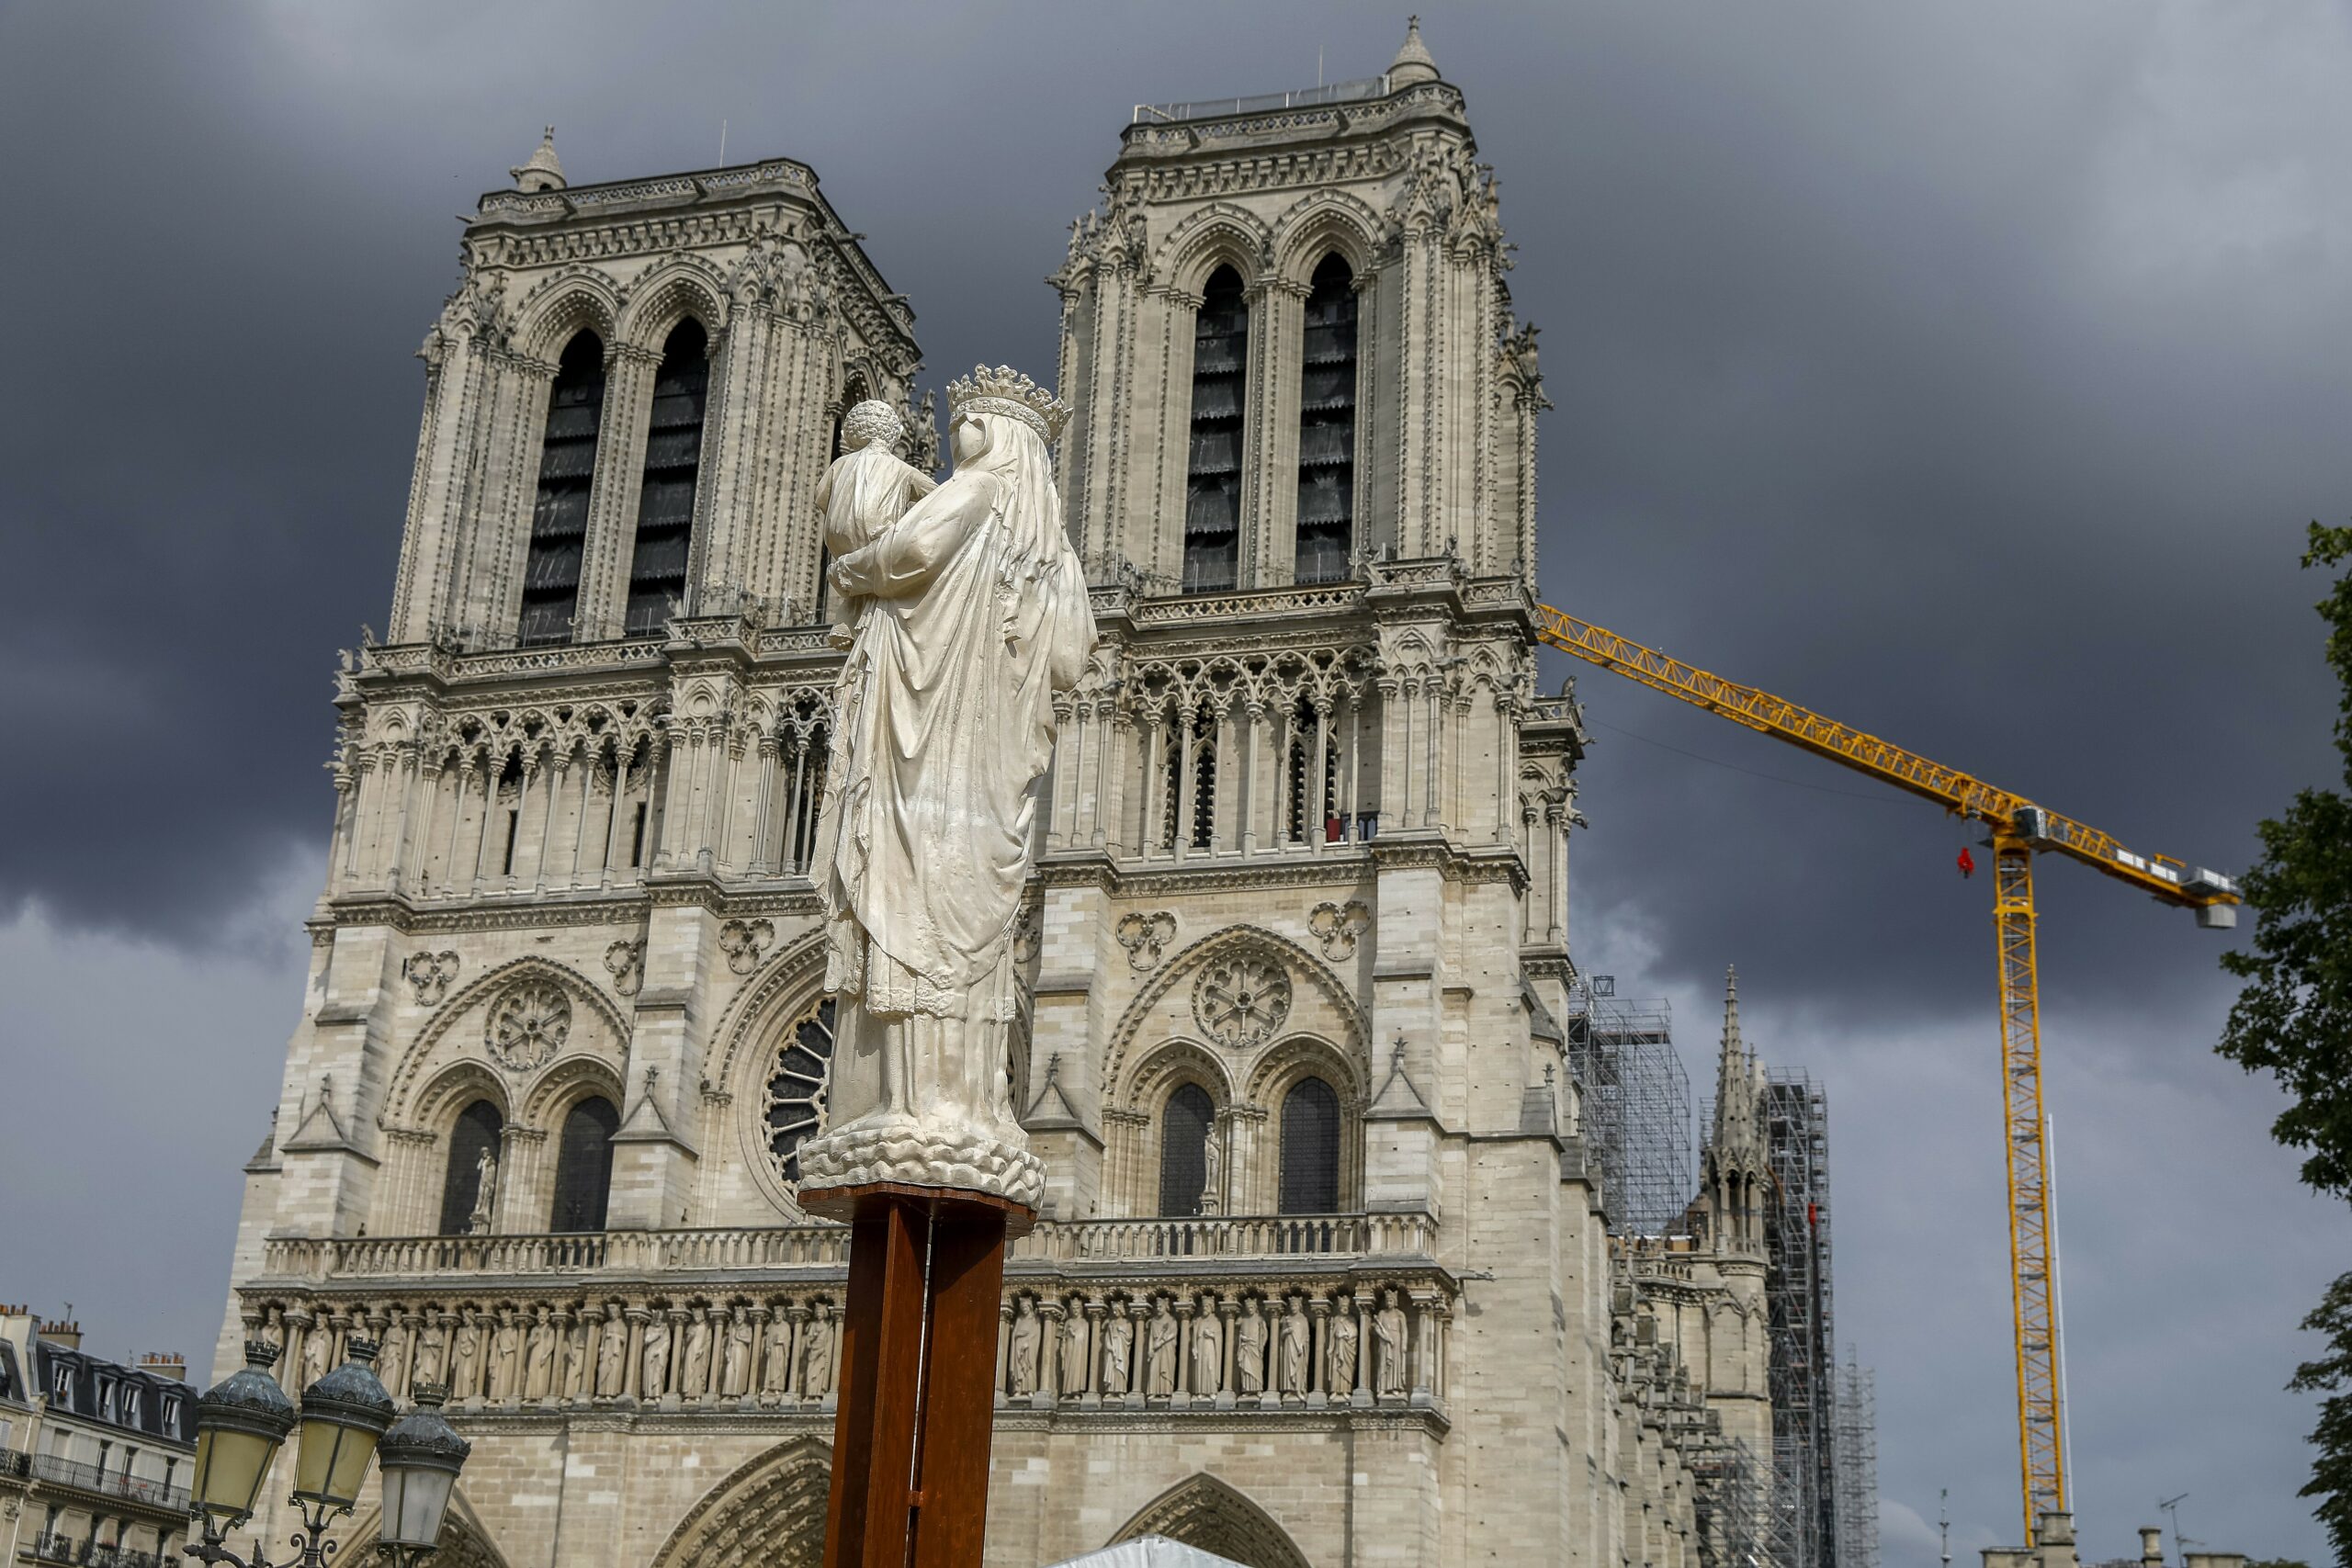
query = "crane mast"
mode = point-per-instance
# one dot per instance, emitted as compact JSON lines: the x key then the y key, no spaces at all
{"x":2018,"y":828}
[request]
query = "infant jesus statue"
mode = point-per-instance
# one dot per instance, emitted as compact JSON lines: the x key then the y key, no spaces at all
{"x":866,"y":490}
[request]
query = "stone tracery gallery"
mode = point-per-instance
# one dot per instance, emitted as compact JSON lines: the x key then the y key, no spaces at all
{"x":1323,"y":1276}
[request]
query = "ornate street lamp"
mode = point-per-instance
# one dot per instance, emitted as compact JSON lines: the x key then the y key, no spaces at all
{"x":344,"y":1416}
{"x":420,"y":1460}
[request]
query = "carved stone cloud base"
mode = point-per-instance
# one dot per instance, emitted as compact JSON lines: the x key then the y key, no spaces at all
{"x":955,"y":1155}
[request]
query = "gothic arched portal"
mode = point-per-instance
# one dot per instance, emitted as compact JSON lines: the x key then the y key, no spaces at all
{"x":769,"y":1514}
{"x":1209,"y":1514}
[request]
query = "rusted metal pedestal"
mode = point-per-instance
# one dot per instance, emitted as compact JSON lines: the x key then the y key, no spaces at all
{"x":918,"y":1375}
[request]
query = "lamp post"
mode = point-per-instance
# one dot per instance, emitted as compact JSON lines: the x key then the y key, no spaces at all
{"x":345,"y":1418}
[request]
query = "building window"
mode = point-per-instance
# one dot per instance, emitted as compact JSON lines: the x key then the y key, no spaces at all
{"x":810,"y":757}
{"x":559,"y":517}
{"x":665,"y":505}
{"x":1213,"y":472}
{"x":796,"y":1091}
{"x":583,"y":1166}
{"x":1184,"y":1149}
{"x":1311,"y":795}
{"x":1204,"y":780}
{"x":1311,"y":1148}
{"x":1326,"y":427}
{"x":478,"y":1129}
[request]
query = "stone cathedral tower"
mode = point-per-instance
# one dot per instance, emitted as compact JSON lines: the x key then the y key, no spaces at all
{"x":1323,"y":1278}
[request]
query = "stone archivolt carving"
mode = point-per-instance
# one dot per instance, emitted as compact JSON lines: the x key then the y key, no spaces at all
{"x":1242,"y":998}
{"x":529,"y":1024}
{"x":744,"y":943}
{"x":1336,"y":927}
{"x":1146,"y":938}
{"x":430,"y":974}
{"x":626,"y":960}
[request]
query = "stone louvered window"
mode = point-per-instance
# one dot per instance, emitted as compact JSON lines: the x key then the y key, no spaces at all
{"x":559,"y":516}
{"x":479,"y":1127}
{"x":583,"y":1166}
{"x":1204,"y":780}
{"x":1184,"y":1149}
{"x":665,"y":506}
{"x":1311,"y":795}
{"x":1311,"y":1148}
{"x":1326,"y":427}
{"x":1213,"y":472}
{"x":807,"y":759}
{"x":796,"y":1091}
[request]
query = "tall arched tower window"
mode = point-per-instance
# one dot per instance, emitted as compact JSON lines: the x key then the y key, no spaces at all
{"x":1326,"y":427}
{"x":1184,"y":1149}
{"x":583,"y":1166}
{"x":479,"y":1127}
{"x":559,"y":516}
{"x":665,"y":506}
{"x":1213,"y":472}
{"x":1311,"y":1148}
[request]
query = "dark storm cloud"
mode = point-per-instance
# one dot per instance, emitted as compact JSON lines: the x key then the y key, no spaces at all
{"x":1968,"y":374}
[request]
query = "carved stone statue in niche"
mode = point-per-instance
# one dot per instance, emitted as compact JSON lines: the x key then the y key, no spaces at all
{"x":974,"y":616}
{"x":1340,"y":1374}
{"x":316,"y":1338}
{"x":430,"y":1345}
{"x":1208,"y":1351}
{"x":1073,"y":1351}
{"x":1022,"y":1355}
{"x":538,"y":1359}
{"x":1118,"y":1344}
{"x":775,"y":1369}
{"x":465,"y":1380}
{"x":485,"y":1194}
{"x":391,"y":1362}
{"x":817,"y":1360}
{"x":612,"y":1352}
{"x":1159,"y":1351}
{"x":505,"y":1359}
{"x":1290,"y":1374}
{"x":1388,"y":1347}
{"x":575,"y":1356}
{"x":1249,"y":1349}
{"x":735,"y":1372}
{"x":656,"y":1359}
{"x":693,"y":1372}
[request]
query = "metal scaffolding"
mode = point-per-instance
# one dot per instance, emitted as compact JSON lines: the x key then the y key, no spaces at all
{"x":1795,"y":1116}
{"x":1857,"y":1469}
{"x":1636,"y":1106}
{"x":1735,"y":1530}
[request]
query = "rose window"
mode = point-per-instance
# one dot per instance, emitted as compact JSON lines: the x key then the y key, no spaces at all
{"x":1242,"y":999}
{"x":795,"y":1109}
{"x":530,"y":1024}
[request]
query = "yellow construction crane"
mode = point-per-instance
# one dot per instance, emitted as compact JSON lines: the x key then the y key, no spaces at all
{"x":2018,"y":828}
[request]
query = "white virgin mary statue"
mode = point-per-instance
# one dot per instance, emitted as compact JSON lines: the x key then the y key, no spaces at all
{"x":943,"y":724}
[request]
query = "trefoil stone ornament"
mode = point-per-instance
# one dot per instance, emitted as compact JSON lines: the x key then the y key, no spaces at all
{"x":529,"y":1024}
{"x":974,"y":616}
{"x":430,"y":974}
{"x":1338,"y":926}
{"x":744,"y":943}
{"x":1146,"y":938}
{"x":626,"y":961}
{"x":1241,"y":998}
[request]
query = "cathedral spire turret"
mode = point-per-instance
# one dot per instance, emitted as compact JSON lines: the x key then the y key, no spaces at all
{"x":1735,"y":1079}
{"x":542,"y":170}
{"x":1413,"y":63}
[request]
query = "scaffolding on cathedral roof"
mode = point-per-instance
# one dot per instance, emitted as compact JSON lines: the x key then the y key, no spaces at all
{"x":1636,"y":1106}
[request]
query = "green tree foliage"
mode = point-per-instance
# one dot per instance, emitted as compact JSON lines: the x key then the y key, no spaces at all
{"x":2293,"y":1017}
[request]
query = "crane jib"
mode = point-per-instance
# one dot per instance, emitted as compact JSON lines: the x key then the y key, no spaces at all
{"x":2018,"y":827}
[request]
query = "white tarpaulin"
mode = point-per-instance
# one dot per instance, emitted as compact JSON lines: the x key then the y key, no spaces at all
{"x":1150,"y":1552}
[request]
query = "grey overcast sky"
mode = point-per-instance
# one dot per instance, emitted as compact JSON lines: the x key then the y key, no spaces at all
{"x":1967,"y":372}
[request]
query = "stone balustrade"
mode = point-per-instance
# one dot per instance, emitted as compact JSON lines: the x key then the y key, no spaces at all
{"x":1296,"y":1313}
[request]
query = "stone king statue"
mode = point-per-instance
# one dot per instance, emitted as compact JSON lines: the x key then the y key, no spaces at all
{"x":971,"y":613}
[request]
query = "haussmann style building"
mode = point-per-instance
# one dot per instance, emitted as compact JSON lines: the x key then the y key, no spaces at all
{"x":1324,"y":1275}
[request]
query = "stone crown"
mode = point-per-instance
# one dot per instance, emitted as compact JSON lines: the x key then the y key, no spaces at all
{"x":1007,"y":391}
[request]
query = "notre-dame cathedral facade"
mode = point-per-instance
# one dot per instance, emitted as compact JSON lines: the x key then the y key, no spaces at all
{"x":1324,"y":1275}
